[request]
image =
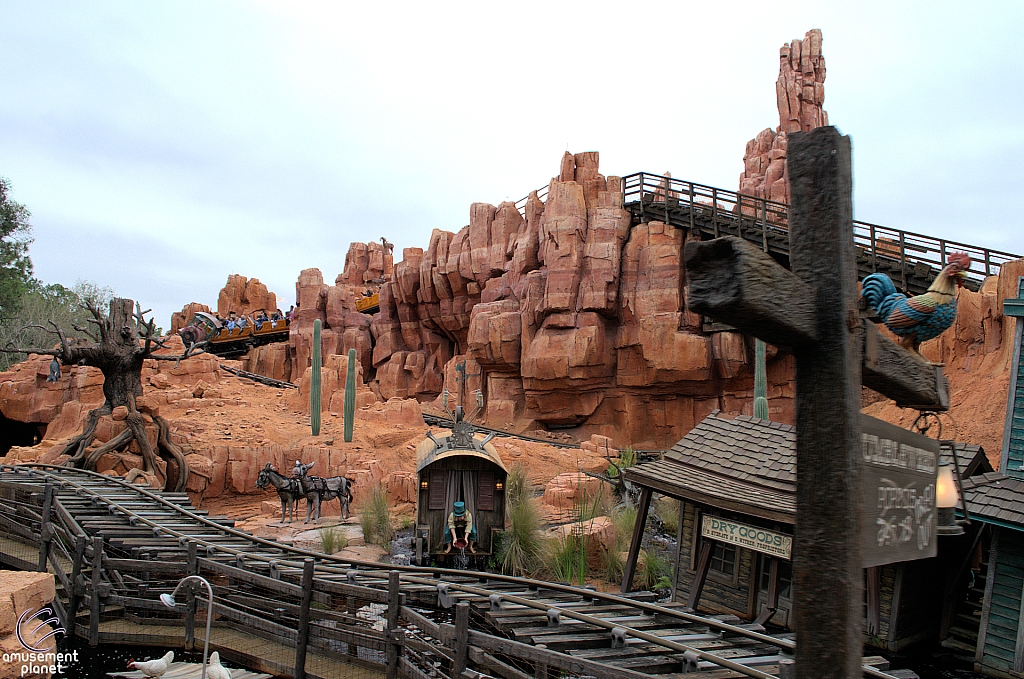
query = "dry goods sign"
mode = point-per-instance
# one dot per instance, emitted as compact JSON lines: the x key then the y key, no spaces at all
{"x":751,"y":537}
{"x":898,"y":471}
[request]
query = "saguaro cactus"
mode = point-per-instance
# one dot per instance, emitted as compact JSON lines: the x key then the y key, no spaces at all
{"x":314,"y":382}
{"x":760,"y":382}
{"x":350,"y":395}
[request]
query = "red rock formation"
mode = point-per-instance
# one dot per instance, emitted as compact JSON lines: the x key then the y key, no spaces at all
{"x":180,"y":319}
{"x":561,"y":314}
{"x":800,"y":95}
{"x":244,"y":296}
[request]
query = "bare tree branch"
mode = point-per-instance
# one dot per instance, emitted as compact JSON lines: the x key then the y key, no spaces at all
{"x":84,"y":331}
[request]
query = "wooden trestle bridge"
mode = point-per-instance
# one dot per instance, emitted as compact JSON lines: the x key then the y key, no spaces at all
{"x":114,"y":548}
{"x":911,"y":260}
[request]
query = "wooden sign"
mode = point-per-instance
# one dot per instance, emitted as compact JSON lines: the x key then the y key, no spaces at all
{"x":898,"y":473}
{"x":758,"y":539}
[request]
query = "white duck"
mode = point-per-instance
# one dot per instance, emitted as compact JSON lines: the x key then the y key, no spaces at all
{"x":153,"y":668}
{"x":214,"y":670}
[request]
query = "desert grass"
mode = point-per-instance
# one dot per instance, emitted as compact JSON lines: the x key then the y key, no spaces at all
{"x":332,"y":540}
{"x":653,"y":570}
{"x":521,"y":544}
{"x":375,"y":518}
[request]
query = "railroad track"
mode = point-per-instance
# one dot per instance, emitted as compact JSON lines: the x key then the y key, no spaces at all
{"x":115,"y":547}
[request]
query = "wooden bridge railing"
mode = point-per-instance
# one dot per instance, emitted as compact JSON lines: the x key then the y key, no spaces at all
{"x":909,"y":258}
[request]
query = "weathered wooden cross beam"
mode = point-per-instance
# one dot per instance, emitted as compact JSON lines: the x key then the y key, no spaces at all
{"x":814,"y":310}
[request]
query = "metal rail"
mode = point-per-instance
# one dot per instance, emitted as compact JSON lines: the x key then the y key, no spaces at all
{"x":57,"y":475}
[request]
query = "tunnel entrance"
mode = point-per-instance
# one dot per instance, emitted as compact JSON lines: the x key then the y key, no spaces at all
{"x":14,"y":433}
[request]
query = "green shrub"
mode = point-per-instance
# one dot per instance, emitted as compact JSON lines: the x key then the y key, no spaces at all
{"x":332,"y":540}
{"x":623,"y":519}
{"x":667,"y":509}
{"x":565,"y":558}
{"x":520,"y":547}
{"x":517,"y":487}
{"x":652,"y":570}
{"x":612,"y":563}
{"x":375,"y":518}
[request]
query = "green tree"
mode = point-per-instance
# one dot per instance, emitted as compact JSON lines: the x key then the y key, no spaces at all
{"x":15,"y":265}
{"x":29,"y":324}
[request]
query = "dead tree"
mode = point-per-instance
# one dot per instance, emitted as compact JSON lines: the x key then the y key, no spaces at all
{"x":121,"y":341}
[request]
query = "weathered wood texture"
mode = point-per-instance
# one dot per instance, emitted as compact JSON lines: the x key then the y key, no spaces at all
{"x":907,"y":379}
{"x":1001,"y":613}
{"x":736,"y":283}
{"x":827,"y":551}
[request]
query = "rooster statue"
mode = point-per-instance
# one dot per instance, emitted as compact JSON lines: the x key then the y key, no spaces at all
{"x":924,"y":317}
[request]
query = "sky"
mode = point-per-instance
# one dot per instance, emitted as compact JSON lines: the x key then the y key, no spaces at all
{"x":162,"y":146}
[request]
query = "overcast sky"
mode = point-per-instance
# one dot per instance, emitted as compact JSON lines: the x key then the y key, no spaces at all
{"x":163,"y":146}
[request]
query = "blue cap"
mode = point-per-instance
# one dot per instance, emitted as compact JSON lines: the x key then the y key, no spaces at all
{"x":460,"y":508}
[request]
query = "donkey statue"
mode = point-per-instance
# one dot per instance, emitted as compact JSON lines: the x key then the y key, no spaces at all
{"x":317,"y":490}
{"x":287,"y":489}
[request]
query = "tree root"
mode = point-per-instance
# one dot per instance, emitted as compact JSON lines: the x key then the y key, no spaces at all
{"x":119,"y":441}
{"x":175,"y":452}
{"x":76,"y":448}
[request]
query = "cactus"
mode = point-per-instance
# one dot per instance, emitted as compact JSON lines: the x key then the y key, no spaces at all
{"x":314,"y":383}
{"x":760,"y":382}
{"x":350,"y":395}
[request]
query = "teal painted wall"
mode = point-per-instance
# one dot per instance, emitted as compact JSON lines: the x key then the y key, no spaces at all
{"x":1013,"y":444}
{"x":1004,"y":611}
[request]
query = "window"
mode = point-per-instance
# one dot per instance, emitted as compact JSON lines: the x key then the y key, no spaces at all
{"x":785,"y":577}
{"x":723,"y":560}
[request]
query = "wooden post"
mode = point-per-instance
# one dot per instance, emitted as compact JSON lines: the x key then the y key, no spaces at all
{"x":303,"y":639}
{"x":827,"y":549}
{"x":190,"y":599}
{"x":45,"y":527}
{"x":75,"y":596}
{"x":94,"y":594}
{"x":679,"y":547}
{"x":703,"y":564}
{"x":874,"y":595}
{"x":461,"y":639}
{"x":638,"y":535}
{"x":394,"y":606}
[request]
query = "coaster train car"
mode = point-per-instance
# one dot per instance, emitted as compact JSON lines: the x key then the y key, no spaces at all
{"x":233,"y":342}
{"x":461,"y":467}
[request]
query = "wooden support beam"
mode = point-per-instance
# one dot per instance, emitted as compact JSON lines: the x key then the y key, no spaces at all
{"x":461,"y":638}
{"x":900,"y":375}
{"x":638,"y":535}
{"x":190,"y":599}
{"x":828,"y":585}
{"x":874,"y":596}
{"x":703,"y":565}
{"x":733,"y":282}
{"x":45,"y":527}
{"x":94,"y":593}
{"x":736,"y":283}
{"x":303,"y":629}
{"x":394,"y":608}
{"x":76,"y":572}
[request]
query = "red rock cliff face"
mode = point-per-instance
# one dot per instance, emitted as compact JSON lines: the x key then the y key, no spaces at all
{"x":800,"y":95}
{"x":563,"y":315}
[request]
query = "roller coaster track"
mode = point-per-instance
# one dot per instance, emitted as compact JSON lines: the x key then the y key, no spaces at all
{"x":135,"y":538}
{"x":911,"y":260}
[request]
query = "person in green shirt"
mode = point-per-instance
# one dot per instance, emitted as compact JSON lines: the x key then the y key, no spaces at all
{"x":460,"y":527}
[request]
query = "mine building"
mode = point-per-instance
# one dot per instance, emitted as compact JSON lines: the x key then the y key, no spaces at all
{"x":736,"y":483}
{"x":465,"y":468}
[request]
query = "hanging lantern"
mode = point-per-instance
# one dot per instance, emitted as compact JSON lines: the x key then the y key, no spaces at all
{"x":946,"y":499}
